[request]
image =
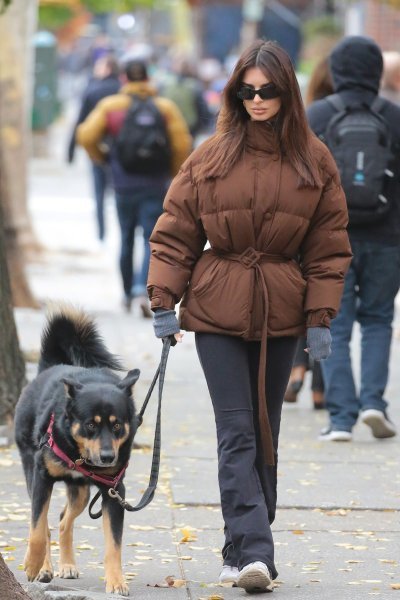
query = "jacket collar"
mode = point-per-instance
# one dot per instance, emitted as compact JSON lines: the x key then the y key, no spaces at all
{"x":140,"y":88}
{"x":261,"y":136}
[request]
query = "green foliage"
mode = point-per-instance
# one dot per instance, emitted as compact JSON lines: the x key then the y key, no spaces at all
{"x":116,"y":6}
{"x":325,"y":25}
{"x":54,"y":17}
{"x":4,"y":4}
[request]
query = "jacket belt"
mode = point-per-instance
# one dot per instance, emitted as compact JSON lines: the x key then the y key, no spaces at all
{"x":251,"y":259}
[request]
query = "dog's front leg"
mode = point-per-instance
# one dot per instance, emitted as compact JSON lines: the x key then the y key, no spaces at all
{"x":38,"y":552}
{"x":77,"y":499}
{"x":113,"y":521}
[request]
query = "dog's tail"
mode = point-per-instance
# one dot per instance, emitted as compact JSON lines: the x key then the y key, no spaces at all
{"x":70,"y":337}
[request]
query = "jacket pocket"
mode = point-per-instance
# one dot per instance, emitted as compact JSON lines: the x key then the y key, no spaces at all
{"x":286,"y":294}
{"x":220,"y":294}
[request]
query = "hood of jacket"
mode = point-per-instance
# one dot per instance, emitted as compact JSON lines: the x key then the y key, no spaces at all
{"x":139,"y":88}
{"x":356,"y":65}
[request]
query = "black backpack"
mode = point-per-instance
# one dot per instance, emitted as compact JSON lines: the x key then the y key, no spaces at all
{"x":360,"y":141}
{"x":142,"y":145}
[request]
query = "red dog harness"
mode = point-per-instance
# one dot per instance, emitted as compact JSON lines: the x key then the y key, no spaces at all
{"x":111,"y":482}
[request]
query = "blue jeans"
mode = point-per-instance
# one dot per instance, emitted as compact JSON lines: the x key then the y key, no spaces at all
{"x":370,"y":289}
{"x":101,"y":180}
{"x":136,"y":209}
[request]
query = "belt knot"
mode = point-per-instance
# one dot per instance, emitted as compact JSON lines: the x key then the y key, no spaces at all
{"x":250,"y":257}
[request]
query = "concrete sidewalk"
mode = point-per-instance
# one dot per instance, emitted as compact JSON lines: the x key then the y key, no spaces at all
{"x":337,"y":530}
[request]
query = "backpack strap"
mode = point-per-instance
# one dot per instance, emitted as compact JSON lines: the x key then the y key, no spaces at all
{"x":336,"y":101}
{"x":378,"y":104}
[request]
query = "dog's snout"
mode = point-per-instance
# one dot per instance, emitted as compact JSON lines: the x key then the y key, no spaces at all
{"x":107,"y":456}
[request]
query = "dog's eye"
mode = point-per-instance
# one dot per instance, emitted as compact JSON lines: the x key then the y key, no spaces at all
{"x":116,"y":427}
{"x":91,"y":426}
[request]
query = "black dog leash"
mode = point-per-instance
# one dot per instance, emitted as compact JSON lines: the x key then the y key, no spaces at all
{"x":148,"y":495}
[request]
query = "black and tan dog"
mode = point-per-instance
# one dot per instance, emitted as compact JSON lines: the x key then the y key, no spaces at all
{"x":75,"y":422}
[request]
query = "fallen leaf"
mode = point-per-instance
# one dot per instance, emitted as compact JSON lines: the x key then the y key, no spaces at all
{"x":341,"y":512}
{"x":383,"y":560}
{"x":16,"y":517}
{"x":395,"y":586}
{"x":188,"y":535}
{"x":298,"y":532}
{"x":169,"y":581}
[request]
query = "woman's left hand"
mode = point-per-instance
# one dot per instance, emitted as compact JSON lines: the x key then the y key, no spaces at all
{"x":319,"y":342}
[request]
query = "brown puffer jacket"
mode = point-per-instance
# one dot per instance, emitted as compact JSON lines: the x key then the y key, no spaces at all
{"x":278,"y":254}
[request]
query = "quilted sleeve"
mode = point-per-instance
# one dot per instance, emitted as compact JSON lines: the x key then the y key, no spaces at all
{"x":176,"y":243}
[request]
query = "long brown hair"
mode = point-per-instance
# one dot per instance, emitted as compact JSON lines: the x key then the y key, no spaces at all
{"x":227,"y":145}
{"x":320,"y":84}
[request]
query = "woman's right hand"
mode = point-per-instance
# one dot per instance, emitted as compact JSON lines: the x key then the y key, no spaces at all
{"x":166,"y":324}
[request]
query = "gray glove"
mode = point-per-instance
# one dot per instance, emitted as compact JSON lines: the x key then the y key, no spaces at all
{"x":319,"y":342}
{"x":165,"y":323}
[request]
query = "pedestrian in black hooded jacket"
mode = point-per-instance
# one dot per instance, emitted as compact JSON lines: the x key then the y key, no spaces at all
{"x":105,"y":82}
{"x":373,"y":279}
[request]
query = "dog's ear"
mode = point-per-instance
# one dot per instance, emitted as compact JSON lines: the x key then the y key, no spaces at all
{"x":129,"y":381}
{"x":71,"y":387}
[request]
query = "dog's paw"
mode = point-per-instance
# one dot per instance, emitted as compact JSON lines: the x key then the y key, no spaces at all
{"x":68,"y":572}
{"x":45,"y":576}
{"x":32,"y":567}
{"x":31,"y":571}
{"x":117,"y":587}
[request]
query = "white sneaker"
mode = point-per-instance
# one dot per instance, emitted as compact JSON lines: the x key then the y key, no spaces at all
{"x":255,"y":577}
{"x":229,"y":575}
{"x":334,"y":435}
{"x":381,"y":426}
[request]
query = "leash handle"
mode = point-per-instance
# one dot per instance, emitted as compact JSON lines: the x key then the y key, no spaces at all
{"x":148,"y":494}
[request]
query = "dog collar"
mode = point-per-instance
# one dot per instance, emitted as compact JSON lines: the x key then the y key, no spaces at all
{"x":107,"y":480}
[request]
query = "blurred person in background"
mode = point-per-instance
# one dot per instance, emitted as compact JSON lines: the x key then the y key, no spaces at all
{"x":369,"y":165}
{"x":265,"y":194}
{"x":319,"y":86}
{"x":105,"y":82}
{"x":187,"y":91}
{"x":390,"y":82}
{"x":139,"y":196}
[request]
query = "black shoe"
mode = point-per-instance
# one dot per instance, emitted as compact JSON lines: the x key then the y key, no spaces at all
{"x":127,"y":303}
{"x":145,"y":308}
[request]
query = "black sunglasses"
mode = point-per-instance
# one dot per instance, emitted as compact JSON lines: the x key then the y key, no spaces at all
{"x":267,"y":92}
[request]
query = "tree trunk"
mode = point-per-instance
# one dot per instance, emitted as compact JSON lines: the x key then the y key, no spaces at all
{"x":12,"y":366}
{"x":10,"y":589}
{"x":16,"y":51}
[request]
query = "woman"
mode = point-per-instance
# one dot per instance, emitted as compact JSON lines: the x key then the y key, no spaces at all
{"x":263,"y":191}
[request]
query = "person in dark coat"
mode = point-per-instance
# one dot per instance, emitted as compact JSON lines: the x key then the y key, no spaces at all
{"x":105,"y":82}
{"x":373,"y":279}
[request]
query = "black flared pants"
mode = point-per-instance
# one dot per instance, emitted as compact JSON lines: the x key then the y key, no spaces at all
{"x":247,"y":486}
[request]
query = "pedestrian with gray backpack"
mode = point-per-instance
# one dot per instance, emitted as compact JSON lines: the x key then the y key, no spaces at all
{"x":362,"y":131}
